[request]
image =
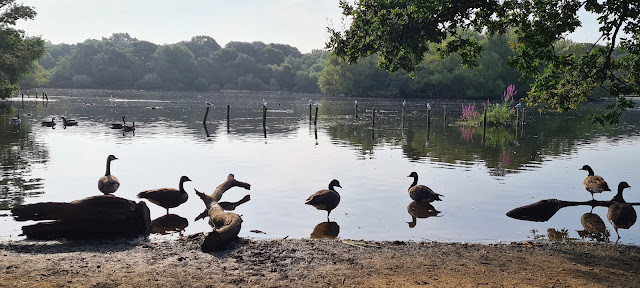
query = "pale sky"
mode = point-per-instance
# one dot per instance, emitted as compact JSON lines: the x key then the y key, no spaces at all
{"x":299,"y":23}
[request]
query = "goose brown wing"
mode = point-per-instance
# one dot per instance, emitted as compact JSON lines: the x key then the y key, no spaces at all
{"x":595,"y":184}
{"x":318,"y":198}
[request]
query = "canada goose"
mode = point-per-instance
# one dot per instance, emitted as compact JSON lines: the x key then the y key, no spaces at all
{"x":621,"y":214}
{"x":108,"y":183}
{"x":594,"y":183}
{"x":129,"y":128}
{"x":49,"y":123}
{"x":118,"y":125}
{"x":70,"y":122}
{"x":421,"y":193}
{"x":326,"y":199}
{"x":167,"y":197}
{"x":16,"y":120}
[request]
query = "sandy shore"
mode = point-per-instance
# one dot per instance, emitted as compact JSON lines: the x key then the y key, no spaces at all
{"x":316,"y":263}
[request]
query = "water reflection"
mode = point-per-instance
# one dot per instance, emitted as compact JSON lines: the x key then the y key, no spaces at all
{"x":594,"y":228}
{"x":326,"y":230}
{"x":169,"y":223}
{"x":19,"y":151}
{"x":420,"y":210}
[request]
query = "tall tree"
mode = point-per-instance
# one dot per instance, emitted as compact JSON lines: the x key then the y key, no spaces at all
{"x":17,"y":52}
{"x":400,"y":33}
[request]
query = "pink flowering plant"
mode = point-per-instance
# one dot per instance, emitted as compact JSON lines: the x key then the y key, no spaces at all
{"x":501,"y":113}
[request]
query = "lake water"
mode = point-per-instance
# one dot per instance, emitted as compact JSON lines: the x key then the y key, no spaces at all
{"x":481,"y":176}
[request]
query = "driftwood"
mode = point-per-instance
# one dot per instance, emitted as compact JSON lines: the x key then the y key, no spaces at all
{"x":226,"y":225}
{"x":96,"y":217}
{"x":543,"y":210}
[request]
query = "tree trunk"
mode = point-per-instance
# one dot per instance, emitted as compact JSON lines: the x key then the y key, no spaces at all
{"x":96,"y":217}
{"x":226,"y":225}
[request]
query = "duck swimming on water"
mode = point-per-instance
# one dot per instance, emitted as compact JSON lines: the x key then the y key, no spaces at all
{"x":49,"y":123}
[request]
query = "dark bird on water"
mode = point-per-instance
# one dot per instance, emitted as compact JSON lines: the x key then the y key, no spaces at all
{"x":108,"y":183}
{"x":594,"y":183}
{"x":326,"y":199}
{"x":118,"y":125}
{"x":69,"y":122}
{"x":621,"y":214}
{"x":421,"y":193}
{"x":129,"y":128}
{"x":49,"y":123}
{"x":167,"y":197}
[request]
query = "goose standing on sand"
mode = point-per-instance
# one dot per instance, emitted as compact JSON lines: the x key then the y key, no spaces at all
{"x":108,"y":183}
{"x":621,"y":214}
{"x":326,"y":199}
{"x":593,"y":183}
{"x":118,"y":125}
{"x":421,"y":193}
{"x":49,"y":123}
{"x":16,"y":120}
{"x":69,"y":122}
{"x":167,"y":197}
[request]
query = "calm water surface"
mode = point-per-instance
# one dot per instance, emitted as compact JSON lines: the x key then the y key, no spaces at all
{"x":481,"y":176}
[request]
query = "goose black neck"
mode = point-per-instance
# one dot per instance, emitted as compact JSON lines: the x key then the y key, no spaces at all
{"x":415,"y":181}
{"x":590,"y":171}
{"x":182,"y":186}
{"x":108,"y":167}
{"x":618,"y":197}
{"x":331,"y":186}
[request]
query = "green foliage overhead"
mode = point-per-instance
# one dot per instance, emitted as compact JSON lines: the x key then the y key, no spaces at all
{"x":17,"y":52}
{"x":401,"y":32}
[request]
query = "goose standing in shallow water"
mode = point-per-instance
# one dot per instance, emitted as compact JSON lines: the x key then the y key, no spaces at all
{"x":326,"y":199}
{"x":594,"y":183}
{"x":421,"y":193}
{"x":49,"y":123}
{"x":129,"y":128}
{"x":108,"y":183}
{"x":621,"y":214}
{"x":118,"y":125}
{"x":167,"y":197}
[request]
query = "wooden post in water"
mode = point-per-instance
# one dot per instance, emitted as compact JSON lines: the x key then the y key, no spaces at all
{"x":484,"y":124}
{"x":373,"y":117}
{"x":429,"y":118}
{"x":523,"y":116}
{"x":315,"y":120}
{"x":228,"y":107}
{"x":445,"y":113}
{"x":206,"y":114}
{"x":356,"y":112}
{"x":310,"y":113}
{"x":264,"y":115}
{"x":45,"y":95}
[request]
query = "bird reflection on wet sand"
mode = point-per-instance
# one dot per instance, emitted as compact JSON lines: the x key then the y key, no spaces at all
{"x":169,"y":223}
{"x":327,"y":230}
{"x":420,"y":210}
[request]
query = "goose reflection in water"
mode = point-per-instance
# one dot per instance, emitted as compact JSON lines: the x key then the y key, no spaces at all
{"x":594,"y":228}
{"x":169,"y":223}
{"x":420,"y":210}
{"x":326,"y":230}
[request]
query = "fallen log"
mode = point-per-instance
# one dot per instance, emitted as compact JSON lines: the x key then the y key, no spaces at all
{"x":96,"y":217}
{"x":226,"y":225}
{"x":543,"y":210}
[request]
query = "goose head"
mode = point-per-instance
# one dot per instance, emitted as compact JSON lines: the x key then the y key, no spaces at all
{"x":334,"y":183}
